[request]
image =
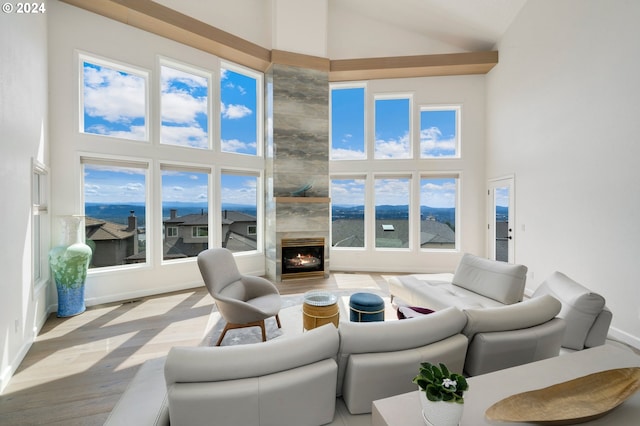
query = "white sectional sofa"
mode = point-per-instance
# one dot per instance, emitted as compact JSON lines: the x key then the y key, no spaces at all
{"x":291,"y":380}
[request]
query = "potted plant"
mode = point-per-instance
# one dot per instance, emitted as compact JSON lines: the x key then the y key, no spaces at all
{"x":441,"y":394}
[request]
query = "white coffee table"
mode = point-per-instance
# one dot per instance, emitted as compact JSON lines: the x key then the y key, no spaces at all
{"x":487,"y":389}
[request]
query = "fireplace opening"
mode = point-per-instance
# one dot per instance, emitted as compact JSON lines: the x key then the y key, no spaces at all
{"x":302,"y":257}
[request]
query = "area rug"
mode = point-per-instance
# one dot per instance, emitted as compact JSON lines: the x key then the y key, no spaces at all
{"x":290,"y":319}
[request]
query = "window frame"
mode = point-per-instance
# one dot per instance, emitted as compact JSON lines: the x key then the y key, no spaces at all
{"x":39,"y":225}
{"x":457,"y":176}
{"x":119,"y":66}
{"x":259,"y":113}
{"x":346,"y":86}
{"x":199,"y":72}
{"x":458,"y":126}
{"x":124,"y":162}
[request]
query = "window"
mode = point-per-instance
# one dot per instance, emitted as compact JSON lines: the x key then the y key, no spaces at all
{"x":199,"y":231}
{"x":115,"y":194}
{"x":392,"y":128}
{"x":113,"y":100}
{"x":347,"y":212}
{"x":438,"y":200}
{"x":240,"y":115}
{"x":185,"y":207}
{"x":39,"y":216}
{"x":184,"y":106}
{"x":347,"y":123}
{"x":439,"y":132}
{"x":392,"y":212}
{"x":239,"y":210}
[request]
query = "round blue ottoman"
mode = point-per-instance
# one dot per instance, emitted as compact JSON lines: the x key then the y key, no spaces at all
{"x":366,"y":307}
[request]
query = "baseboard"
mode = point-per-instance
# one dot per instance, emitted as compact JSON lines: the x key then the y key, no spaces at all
{"x":624,"y":337}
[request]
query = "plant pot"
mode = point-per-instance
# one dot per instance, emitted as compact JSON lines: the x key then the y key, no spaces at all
{"x":440,"y":413}
{"x":69,"y":263}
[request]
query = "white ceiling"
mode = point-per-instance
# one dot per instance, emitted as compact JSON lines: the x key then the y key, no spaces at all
{"x":467,"y":25}
{"x":471,"y":25}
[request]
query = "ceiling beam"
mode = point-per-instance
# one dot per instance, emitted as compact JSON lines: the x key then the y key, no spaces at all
{"x":163,"y":21}
{"x":413,"y":66}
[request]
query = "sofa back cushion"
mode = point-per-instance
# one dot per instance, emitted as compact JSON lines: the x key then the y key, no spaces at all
{"x":392,"y":336}
{"x":580,"y":307}
{"x":213,"y":364}
{"x":496,"y":280}
{"x":521,"y":315}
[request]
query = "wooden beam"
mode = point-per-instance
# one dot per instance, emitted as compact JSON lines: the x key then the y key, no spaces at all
{"x":413,"y":66}
{"x":157,"y":19}
{"x":299,"y":60}
{"x":163,"y":21}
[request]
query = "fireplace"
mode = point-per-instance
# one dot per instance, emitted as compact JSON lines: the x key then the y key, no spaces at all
{"x":302,"y":257}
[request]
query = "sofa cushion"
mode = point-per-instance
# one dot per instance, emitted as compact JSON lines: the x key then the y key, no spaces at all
{"x":500,"y":281}
{"x":392,"y":336}
{"x":212,"y":364}
{"x":528,"y":313}
{"x":580,"y":307}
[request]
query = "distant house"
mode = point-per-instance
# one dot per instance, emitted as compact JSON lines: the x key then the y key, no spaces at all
{"x":185,"y":236}
{"x":392,"y":233}
{"x":239,"y":231}
{"x":112,"y":243}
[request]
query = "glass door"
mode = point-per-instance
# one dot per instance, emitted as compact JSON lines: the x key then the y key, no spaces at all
{"x":501,"y":219}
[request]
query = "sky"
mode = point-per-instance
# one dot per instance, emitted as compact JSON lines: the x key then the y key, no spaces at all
{"x":115,"y":104}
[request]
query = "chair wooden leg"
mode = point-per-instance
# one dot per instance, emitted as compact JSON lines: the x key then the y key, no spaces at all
{"x":226,"y":328}
{"x":231,"y":326}
{"x":278,"y":321}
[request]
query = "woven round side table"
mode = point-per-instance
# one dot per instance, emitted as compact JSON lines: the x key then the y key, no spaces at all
{"x":319,"y":308}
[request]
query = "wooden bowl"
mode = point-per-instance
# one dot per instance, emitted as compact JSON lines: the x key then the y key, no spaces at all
{"x":575,"y":401}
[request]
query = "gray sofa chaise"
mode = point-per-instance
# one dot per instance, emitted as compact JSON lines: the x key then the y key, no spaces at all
{"x":476,"y":283}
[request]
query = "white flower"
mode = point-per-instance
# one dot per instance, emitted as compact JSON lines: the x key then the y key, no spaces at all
{"x":448,"y":382}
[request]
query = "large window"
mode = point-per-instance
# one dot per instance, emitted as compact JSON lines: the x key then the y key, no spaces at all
{"x":347,"y":213}
{"x":174,"y":169}
{"x":185,"y":211}
{"x":239,"y":211}
{"x":347,"y":123}
{"x":239,"y":110}
{"x":113,"y":100}
{"x":184,"y":106}
{"x":388,"y":192}
{"x":438,"y":200}
{"x":115,"y":194}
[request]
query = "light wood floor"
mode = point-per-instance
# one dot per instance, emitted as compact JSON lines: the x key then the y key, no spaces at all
{"x":78,"y":367}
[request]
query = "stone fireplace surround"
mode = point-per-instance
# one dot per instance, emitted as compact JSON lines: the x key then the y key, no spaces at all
{"x":297,"y":161}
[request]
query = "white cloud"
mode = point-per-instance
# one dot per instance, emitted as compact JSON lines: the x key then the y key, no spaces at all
{"x":192,"y":136}
{"x":393,"y":148}
{"x":392,"y":191}
{"x":346,"y":154}
{"x":235,"y":145}
{"x":181,"y":107}
{"x":431,"y":143}
{"x":136,"y":133}
{"x":116,"y":97}
{"x":233,"y":111}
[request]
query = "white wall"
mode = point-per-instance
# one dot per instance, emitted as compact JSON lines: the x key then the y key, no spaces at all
{"x":562,"y":116}
{"x":23,"y":138}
